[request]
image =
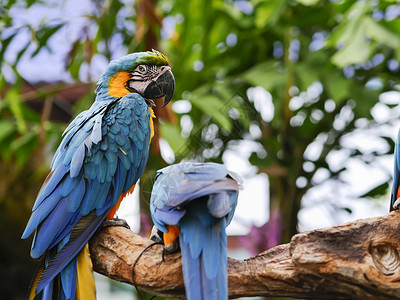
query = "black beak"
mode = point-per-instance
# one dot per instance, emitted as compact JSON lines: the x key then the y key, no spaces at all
{"x":164,"y":86}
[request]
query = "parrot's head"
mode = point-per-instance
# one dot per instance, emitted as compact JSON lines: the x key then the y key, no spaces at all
{"x":146,"y":73}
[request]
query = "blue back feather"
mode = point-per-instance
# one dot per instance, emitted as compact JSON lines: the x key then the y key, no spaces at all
{"x":396,"y":173}
{"x":87,"y":181}
{"x":103,"y":153}
{"x":200,"y":199}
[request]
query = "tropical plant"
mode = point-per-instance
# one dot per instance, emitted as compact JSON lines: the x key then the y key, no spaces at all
{"x":287,"y":81}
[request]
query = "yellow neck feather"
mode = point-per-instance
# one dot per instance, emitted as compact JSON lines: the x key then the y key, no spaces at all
{"x":116,"y":85}
{"x":151,"y":123}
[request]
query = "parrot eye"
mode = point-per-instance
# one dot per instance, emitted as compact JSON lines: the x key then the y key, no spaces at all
{"x":142,"y":68}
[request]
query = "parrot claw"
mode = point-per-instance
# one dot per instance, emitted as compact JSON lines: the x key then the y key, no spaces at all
{"x":396,"y":204}
{"x":172,"y":248}
{"x":115,"y":222}
{"x":169,"y":249}
{"x":156,"y":235}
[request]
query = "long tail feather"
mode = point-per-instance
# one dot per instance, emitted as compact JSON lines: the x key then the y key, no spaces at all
{"x":75,"y":281}
{"x":80,"y":235}
{"x":205,"y":273}
{"x":68,"y":279}
{"x":35,"y":279}
{"x":85,"y":287}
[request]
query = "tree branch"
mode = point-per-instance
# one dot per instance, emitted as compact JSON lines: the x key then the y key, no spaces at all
{"x":357,"y":260}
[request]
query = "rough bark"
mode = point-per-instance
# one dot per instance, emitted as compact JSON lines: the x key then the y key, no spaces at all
{"x":357,"y":260}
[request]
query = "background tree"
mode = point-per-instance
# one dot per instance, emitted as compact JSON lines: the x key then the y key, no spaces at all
{"x":290,"y":78}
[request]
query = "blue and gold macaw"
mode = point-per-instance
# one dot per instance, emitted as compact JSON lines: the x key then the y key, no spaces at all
{"x":101,"y":157}
{"x":195,"y":202}
{"x":395,"y":199}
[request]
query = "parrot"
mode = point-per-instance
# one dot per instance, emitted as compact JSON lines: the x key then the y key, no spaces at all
{"x":102,"y":155}
{"x":395,"y":197}
{"x":191,"y":204}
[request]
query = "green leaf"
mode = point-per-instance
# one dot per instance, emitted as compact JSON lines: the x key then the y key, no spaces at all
{"x":232,"y":100}
{"x":215,"y":108}
{"x":356,"y":50}
{"x":308,"y":2}
{"x":5,"y":43}
{"x":22,"y":51}
{"x":268,"y":12}
{"x":306,"y":74}
{"x":7,"y":127}
{"x":377,"y":191}
{"x":351,"y":22}
{"x":42,"y":36}
{"x":75,"y":59}
{"x":13,"y":98}
{"x":24,"y":146}
{"x":381,"y":33}
{"x":267,"y":75}
{"x":347,"y":209}
{"x":171,"y":133}
{"x":365,"y":100}
{"x":338,"y":87}
{"x":23,"y":140}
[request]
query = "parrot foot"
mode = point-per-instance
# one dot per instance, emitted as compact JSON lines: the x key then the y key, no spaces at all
{"x":396,"y":204}
{"x":157,"y":236}
{"x":169,"y":249}
{"x":115,"y":222}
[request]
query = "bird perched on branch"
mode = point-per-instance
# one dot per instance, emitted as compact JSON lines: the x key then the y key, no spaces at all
{"x":395,"y":199}
{"x":191,"y":204}
{"x":101,"y":157}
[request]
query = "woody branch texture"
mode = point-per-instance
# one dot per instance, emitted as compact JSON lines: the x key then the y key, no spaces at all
{"x":357,"y":260}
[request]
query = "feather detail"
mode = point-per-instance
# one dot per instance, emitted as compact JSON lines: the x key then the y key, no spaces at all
{"x":68,"y":280}
{"x":85,"y":287}
{"x":205,"y":271}
{"x":80,"y":234}
{"x":396,"y":178}
{"x":116,"y":85}
{"x":35,"y":280}
{"x":103,"y":153}
{"x":51,"y":182}
{"x":200,"y":199}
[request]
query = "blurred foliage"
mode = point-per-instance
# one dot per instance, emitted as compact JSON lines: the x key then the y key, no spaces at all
{"x":284,"y":76}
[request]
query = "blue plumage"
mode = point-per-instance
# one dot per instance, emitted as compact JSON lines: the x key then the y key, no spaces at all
{"x":200,"y":198}
{"x":102,"y":155}
{"x":396,"y":176}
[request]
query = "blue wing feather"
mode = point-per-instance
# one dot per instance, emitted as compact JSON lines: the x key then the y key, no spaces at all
{"x":118,"y":183}
{"x":89,"y":173}
{"x":79,"y":237}
{"x":50,"y":228}
{"x":50,"y":184}
{"x":396,"y":173}
{"x":77,"y":193}
{"x":68,"y":279}
{"x":69,"y":184}
{"x":88,"y":203}
{"x":41,"y":212}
